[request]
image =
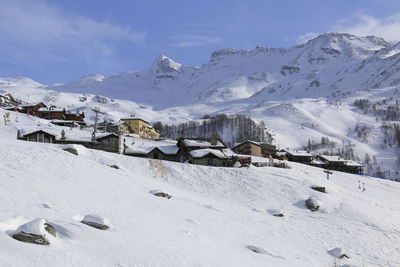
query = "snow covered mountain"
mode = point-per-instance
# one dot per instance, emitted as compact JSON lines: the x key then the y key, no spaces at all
{"x":322,"y":66}
{"x":302,"y":92}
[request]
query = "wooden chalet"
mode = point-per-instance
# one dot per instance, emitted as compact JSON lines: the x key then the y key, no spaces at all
{"x":113,"y":127}
{"x":281,"y":155}
{"x":78,"y":117}
{"x":107,"y":142}
{"x":186,"y":146}
{"x":258,"y":149}
{"x":40,"y":136}
{"x":335,"y":163}
{"x":60,"y":116}
{"x":170,"y":153}
{"x":209,"y":157}
{"x":52,"y":113}
{"x":339,"y":164}
{"x":354,"y":167}
{"x":319,"y":163}
{"x":300,"y":156}
{"x":30,"y":109}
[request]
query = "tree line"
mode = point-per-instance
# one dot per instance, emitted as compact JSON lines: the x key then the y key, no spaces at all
{"x":230,"y":129}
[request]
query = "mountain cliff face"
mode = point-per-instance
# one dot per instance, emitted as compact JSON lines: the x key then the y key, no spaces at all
{"x":302,"y":93}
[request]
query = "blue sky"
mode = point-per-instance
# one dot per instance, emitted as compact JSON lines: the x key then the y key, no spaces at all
{"x":59,"y":41}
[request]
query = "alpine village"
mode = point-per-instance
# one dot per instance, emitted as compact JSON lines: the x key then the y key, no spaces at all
{"x":134,"y":136}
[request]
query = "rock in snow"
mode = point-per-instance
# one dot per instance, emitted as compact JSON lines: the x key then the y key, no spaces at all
{"x":338,"y":253}
{"x":96,"y":221}
{"x":256,"y":249}
{"x":321,"y":189}
{"x":160,"y":193}
{"x":312,"y":204}
{"x":36,"y":232}
{"x":71,"y":150}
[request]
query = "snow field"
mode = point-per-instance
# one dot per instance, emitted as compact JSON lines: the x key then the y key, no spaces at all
{"x":213,"y":217}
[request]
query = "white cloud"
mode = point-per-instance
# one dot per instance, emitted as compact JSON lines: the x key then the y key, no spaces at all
{"x":187,"y":40}
{"x":306,"y":37}
{"x":362,"y":24}
{"x":33,"y":27}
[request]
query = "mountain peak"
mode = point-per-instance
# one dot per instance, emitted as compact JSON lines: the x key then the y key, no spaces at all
{"x":350,"y":45}
{"x":164,"y":64}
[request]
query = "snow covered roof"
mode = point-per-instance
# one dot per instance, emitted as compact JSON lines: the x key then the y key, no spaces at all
{"x":30,"y":104}
{"x":298,"y":153}
{"x":201,"y":143}
{"x":168,"y":150}
{"x":353,"y":163}
{"x":53,"y":109}
{"x":332,"y":158}
{"x":317,"y":162}
{"x":117,"y":123}
{"x":134,"y":119}
{"x":138,"y":145}
{"x":199,"y":153}
{"x":249,"y":141}
{"x":70,"y":134}
{"x":62,"y":121}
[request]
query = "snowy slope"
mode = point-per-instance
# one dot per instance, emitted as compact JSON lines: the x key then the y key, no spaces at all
{"x":302,"y":92}
{"x":215,"y":214}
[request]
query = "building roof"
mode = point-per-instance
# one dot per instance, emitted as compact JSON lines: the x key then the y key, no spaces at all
{"x":52,"y":109}
{"x":74,"y":134}
{"x":353,"y":163}
{"x":165,"y":149}
{"x":118,"y":123}
{"x":298,"y":153}
{"x":134,"y":119}
{"x":317,"y":162}
{"x":203,"y":144}
{"x":31,"y":105}
{"x":249,"y":141}
{"x":332,"y":158}
{"x":200,"y":153}
{"x":104,"y":135}
{"x":281,"y":153}
{"x":25,"y":133}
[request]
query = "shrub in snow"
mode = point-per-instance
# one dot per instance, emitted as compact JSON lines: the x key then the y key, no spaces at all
{"x":338,"y":253}
{"x":36,"y":232}
{"x":71,"y":150}
{"x":96,"y":221}
{"x":312,"y":204}
{"x":256,"y":249}
{"x":160,"y":193}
